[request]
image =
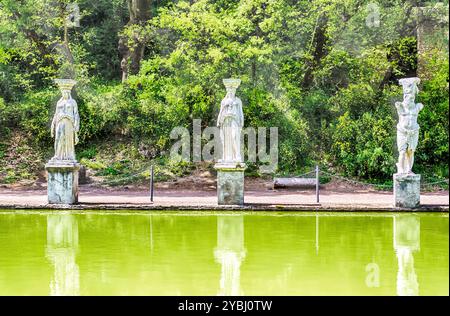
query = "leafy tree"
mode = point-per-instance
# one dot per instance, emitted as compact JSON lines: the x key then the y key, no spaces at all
{"x":325,"y":72}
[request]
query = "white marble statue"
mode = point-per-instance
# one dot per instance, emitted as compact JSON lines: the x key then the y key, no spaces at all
{"x":407,"y":127}
{"x":66,"y":123}
{"x":230,"y":122}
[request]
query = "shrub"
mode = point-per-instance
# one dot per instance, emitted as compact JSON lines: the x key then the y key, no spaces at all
{"x":432,"y":150}
{"x":364,"y":147}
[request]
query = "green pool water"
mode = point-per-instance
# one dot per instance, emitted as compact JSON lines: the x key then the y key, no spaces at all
{"x":172,"y":253}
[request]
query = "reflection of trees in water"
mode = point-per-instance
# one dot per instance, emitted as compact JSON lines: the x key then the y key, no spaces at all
{"x":62,"y":244}
{"x":406,"y":242}
{"x":230,"y":252}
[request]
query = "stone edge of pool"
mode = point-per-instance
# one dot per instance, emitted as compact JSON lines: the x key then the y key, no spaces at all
{"x":247,"y":207}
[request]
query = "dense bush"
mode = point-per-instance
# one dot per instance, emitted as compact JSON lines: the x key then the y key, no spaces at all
{"x":312,"y":69}
{"x":432,"y":151}
{"x":364,"y":147}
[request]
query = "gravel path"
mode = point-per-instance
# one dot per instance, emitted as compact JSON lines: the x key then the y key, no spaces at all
{"x":91,"y":198}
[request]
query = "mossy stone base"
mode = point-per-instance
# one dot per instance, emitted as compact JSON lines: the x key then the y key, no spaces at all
{"x":62,"y":182}
{"x":230,"y":184}
{"x":406,"y":190}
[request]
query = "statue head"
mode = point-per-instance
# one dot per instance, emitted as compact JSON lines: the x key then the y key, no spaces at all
{"x":410,"y":86}
{"x":66,"y":94}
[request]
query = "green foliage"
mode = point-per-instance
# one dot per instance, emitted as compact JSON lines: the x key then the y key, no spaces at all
{"x":433,"y":150}
{"x":355,"y":100}
{"x":88,"y":153}
{"x":363,"y":143}
{"x":32,"y":115}
{"x":3,"y":119}
{"x":263,"y":109}
{"x":363,"y":147}
{"x":2,"y":150}
{"x":337,"y":70}
{"x":402,"y":55}
{"x":32,"y":49}
{"x":314,"y":69}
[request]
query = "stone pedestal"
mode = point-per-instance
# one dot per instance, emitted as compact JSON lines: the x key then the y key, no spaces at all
{"x":230,"y":183}
{"x":62,"y":182}
{"x":406,"y":190}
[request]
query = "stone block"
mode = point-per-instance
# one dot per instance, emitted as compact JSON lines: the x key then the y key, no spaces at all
{"x":62,"y":182}
{"x":230,"y":184}
{"x":82,"y":175}
{"x":406,"y":190}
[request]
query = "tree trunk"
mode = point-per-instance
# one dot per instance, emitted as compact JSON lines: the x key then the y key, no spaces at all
{"x":319,"y":50}
{"x":132,"y":49}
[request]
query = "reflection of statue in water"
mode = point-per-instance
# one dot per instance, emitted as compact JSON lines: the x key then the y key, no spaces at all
{"x":62,"y":244}
{"x":231,"y":121}
{"x":230,"y":252}
{"x":407,"y":127}
{"x":66,"y":123}
{"x":406,"y":241}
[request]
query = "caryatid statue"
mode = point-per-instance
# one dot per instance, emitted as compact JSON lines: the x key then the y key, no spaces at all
{"x":407,"y":127}
{"x":66,"y":123}
{"x":230,"y":122}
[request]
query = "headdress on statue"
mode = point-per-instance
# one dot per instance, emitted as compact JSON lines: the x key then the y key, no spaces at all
{"x":405,"y":82}
{"x":231,"y":83}
{"x":65,"y":84}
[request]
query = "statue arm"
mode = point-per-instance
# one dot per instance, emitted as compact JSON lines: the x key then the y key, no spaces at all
{"x":241,"y":115}
{"x":52,"y":128}
{"x":76,"y":116}
{"x":419,"y":107}
{"x":219,"y":118}
{"x":399,"y":107}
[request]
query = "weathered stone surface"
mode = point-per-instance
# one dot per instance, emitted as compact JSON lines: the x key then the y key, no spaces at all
{"x":407,"y":127}
{"x":62,"y":182}
{"x":66,"y":123}
{"x":82,"y":175}
{"x":294,"y":182}
{"x":230,"y":186}
{"x":406,"y":190}
{"x":63,"y":169}
{"x":231,"y":166}
{"x":230,"y":122}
